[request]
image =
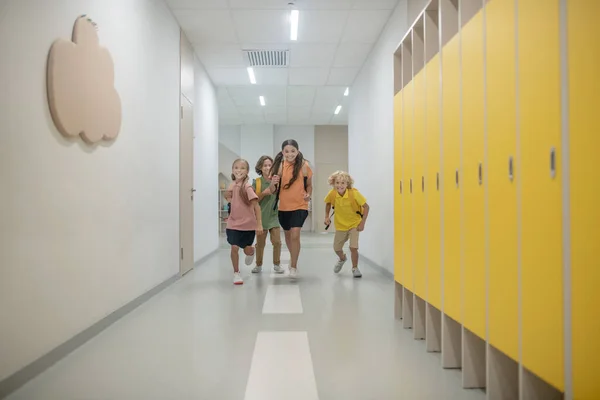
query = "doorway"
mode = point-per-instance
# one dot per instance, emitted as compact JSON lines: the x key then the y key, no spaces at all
{"x":186,"y":187}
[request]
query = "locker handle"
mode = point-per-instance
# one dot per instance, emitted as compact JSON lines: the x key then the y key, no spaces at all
{"x":480,"y":174}
{"x":510,"y":168}
{"x":456,"y":178}
{"x":423,"y":184}
{"x":400,"y":186}
{"x":552,"y":163}
{"x":411,"y":185}
{"x":437,"y":181}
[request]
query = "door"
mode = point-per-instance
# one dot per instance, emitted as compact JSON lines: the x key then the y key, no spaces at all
{"x":502,"y":179}
{"x":432,"y":190}
{"x":186,"y":190}
{"x":584,"y":183}
{"x":473,"y":206}
{"x":451,"y":176}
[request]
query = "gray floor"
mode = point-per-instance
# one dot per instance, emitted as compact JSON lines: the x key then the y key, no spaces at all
{"x":196,"y":340}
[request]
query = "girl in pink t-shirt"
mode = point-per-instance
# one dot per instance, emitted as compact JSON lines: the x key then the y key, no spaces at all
{"x":245,"y":218}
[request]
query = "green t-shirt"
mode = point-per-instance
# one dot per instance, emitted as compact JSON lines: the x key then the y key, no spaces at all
{"x":270,"y":217}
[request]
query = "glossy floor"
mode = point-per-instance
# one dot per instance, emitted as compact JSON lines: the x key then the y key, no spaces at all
{"x":324,"y":336}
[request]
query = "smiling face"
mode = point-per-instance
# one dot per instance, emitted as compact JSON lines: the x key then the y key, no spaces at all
{"x":290,"y":153}
{"x":341,"y":184}
{"x":266,"y":167}
{"x":240,"y":170}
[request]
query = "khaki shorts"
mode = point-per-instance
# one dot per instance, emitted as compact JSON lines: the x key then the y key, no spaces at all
{"x":341,"y":237}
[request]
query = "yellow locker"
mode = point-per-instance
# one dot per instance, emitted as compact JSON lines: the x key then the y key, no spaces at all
{"x":541,"y":205}
{"x":418,"y":185}
{"x":451,"y":178}
{"x":473,"y":301}
{"x":407,"y":169}
{"x":432,"y":192}
{"x":502,"y":178}
{"x":583,"y":32}
{"x":397,"y":194}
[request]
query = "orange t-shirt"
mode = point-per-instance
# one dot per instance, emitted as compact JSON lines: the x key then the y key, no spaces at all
{"x":292,"y":199}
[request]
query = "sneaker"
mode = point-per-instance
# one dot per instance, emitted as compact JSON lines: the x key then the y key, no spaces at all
{"x":339,"y":265}
{"x":356,"y":272}
{"x":249,"y":259}
{"x":278,"y":269}
{"x":237,"y":279}
{"x":293,"y":273}
{"x":257,"y":269}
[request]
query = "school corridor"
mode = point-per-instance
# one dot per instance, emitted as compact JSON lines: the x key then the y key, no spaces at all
{"x":469,"y":126}
{"x":323,"y":336}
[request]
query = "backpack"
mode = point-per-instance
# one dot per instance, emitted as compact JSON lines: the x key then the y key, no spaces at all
{"x":257,"y":183}
{"x":353,"y":203}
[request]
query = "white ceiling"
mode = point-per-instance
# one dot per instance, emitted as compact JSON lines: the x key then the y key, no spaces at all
{"x":334,"y":39}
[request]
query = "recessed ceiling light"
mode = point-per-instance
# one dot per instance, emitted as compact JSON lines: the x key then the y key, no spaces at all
{"x":251,"y":75}
{"x":347,"y":92}
{"x":338,"y":109}
{"x":262,"y":100}
{"x":294,"y":15}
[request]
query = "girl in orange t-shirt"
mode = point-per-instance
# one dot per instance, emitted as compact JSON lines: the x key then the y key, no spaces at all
{"x":293,"y":176}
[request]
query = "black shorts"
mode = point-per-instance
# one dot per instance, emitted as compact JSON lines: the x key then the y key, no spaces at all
{"x":241,"y":239}
{"x":292,"y":219}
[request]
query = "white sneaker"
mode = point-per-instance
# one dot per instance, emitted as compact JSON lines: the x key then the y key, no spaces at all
{"x":257,"y":269}
{"x":339,"y":265}
{"x":237,"y":279}
{"x":356,"y":272}
{"x":293,"y":273}
{"x":278,"y":269}
{"x":249,"y":259}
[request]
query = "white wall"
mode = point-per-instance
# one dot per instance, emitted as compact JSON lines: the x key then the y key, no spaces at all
{"x":206,"y":162}
{"x":371,"y":139}
{"x":231,"y":137}
{"x":84,"y":230}
{"x":256,"y":141}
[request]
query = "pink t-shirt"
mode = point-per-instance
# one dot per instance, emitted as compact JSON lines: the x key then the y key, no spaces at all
{"x":242,"y":216}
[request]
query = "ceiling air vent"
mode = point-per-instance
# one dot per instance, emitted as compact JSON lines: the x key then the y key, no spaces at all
{"x":267,"y":58}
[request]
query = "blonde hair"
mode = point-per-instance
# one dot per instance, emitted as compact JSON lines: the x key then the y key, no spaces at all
{"x":343,"y":175}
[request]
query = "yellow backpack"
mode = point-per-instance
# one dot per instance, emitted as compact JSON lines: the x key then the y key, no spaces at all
{"x":257,"y":183}
{"x":355,"y":206}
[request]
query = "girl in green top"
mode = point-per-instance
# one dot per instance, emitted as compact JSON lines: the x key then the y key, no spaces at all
{"x":265,"y":190}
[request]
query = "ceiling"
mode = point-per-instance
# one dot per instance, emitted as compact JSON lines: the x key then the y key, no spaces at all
{"x":334,"y":40}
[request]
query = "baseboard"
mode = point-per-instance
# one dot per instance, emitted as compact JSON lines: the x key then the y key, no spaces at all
{"x":27,"y":373}
{"x":378,"y":267}
{"x":206,"y":257}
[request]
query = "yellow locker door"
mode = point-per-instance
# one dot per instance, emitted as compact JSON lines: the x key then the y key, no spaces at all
{"x":397,"y":182}
{"x":584,"y":143}
{"x":541,"y":205}
{"x":473,"y":249}
{"x":432,"y":192}
{"x":407,"y":168}
{"x":451,"y":179}
{"x":502,"y":177}
{"x":418,"y":184}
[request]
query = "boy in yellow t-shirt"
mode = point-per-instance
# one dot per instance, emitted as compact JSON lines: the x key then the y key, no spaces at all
{"x":350,"y":215}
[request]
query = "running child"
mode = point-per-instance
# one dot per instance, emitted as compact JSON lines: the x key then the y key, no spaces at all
{"x":350,"y":215}
{"x":245,"y":220}
{"x":265,"y":190}
{"x":293,"y":176}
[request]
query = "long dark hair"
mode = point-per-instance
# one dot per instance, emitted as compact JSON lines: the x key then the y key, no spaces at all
{"x":298,"y":163}
{"x":243,"y":192}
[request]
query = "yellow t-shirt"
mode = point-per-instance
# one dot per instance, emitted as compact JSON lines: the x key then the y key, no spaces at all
{"x":345,"y":217}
